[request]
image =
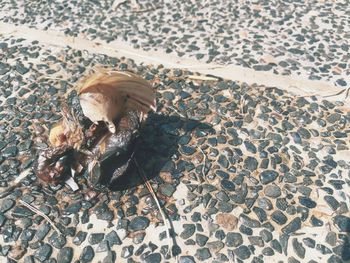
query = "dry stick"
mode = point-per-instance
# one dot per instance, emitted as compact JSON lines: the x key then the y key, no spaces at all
{"x":150,"y":189}
{"x":37,"y":211}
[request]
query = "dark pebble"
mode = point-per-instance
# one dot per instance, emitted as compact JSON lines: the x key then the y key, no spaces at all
{"x":201,"y":240}
{"x":96,"y":238}
{"x":276,"y":245}
{"x":153,"y":258}
{"x":307,"y":202}
{"x":309,"y":242}
{"x":315,"y":221}
{"x":87,"y":255}
{"x":298,"y":248}
{"x":293,"y":226}
{"x":268,"y":176}
{"x":139,"y":223}
{"x":188,"y":231}
{"x":65,"y":255}
{"x":43,"y":252}
{"x":233,"y":239}
{"x":342,"y":223}
{"x":202,"y":254}
{"x":279,"y":217}
{"x":332,"y":202}
{"x":272,"y":191}
{"x":186,"y":259}
{"x":242,"y":252}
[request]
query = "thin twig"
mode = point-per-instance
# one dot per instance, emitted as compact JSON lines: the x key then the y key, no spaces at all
{"x":150,"y":189}
{"x":205,"y":161}
{"x":37,"y":211}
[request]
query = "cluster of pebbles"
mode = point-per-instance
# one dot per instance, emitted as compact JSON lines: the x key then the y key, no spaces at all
{"x":244,"y":173}
{"x":284,"y":37}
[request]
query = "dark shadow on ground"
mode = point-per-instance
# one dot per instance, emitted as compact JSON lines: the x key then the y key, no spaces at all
{"x":158,"y":142}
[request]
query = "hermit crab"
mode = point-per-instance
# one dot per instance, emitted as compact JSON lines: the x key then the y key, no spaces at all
{"x":100,"y":124}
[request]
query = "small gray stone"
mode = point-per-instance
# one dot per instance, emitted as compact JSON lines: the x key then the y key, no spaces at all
{"x":65,"y":255}
{"x":139,"y":223}
{"x":202,"y":254}
{"x":298,"y":248}
{"x":233,"y":239}
{"x":272,"y":191}
{"x":87,"y":255}
{"x":268,"y":176}
{"x":242,"y":252}
{"x":43,"y":252}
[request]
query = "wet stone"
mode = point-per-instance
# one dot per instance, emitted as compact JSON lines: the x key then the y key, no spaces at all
{"x":272,"y":191}
{"x":202,"y":254}
{"x":242,"y":252}
{"x":139,"y":223}
{"x":87,"y":254}
{"x":268,"y":176}
{"x":43,"y":252}
{"x":233,"y":239}
{"x":65,"y":255}
{"x":298,"y":248}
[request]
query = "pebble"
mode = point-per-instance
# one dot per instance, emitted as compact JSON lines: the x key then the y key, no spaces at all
{"x":65,"y":255}
{"x":242,"y":252}
{"x":87,"y":254}
{"x":186,"y":259}
{"x":188,"y":231}
{"x":279,"y":217}
{"x":233,"y":239}
{"x":153,"y":258}
{"x":293,"y":226}
{"x":43,"y":253}
{"x":268,"y":176}
{"x":298,"y":248}
{"x":272,"y":191}
{"x":138,"y":223}
{"x":202,"y":254}
{"x":342,"y":223}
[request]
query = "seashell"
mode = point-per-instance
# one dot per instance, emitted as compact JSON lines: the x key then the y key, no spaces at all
{"x":106,"y":96}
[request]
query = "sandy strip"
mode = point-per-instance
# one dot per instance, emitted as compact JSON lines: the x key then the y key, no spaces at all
{"x":297,"y":85}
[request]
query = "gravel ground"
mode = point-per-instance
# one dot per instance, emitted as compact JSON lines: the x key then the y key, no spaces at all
{"x":306,"y":38}
{"x":245,"y":173}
